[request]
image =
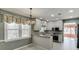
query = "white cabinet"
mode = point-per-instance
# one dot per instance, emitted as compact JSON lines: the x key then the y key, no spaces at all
{"x":43,"y":42}
{"x":60,"y":38}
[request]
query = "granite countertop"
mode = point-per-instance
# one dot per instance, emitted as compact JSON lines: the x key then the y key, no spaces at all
{"x":45,"y":36}
{"x":42,"y":35}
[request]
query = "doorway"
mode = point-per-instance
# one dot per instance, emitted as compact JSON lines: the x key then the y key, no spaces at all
{"x":70,"y":36}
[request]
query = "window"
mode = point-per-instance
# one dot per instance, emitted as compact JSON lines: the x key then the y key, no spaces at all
{"x":26,"y":30}
{"x":11,"y":31}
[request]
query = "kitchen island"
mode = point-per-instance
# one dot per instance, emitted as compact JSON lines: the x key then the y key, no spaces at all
{"x":44,"y":41}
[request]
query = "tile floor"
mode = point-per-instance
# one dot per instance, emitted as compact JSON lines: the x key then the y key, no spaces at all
{"x":56,"y":46}
{"x":31,"y":47}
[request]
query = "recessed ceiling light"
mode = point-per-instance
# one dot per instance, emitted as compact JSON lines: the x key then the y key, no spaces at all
{"x":47,"y":20}
{"x":52,"y":15}
{"x":71,"y":11}
{"x":41,"y":18}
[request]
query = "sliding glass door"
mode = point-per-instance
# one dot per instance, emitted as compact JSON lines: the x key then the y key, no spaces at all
{"x":70,"y":35}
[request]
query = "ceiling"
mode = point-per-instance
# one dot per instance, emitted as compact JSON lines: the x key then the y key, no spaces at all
{"x":45,"y":13}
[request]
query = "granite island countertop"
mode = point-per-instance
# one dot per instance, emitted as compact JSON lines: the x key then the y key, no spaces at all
{"x":42,"y":35}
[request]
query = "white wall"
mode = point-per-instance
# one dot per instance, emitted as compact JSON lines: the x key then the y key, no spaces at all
{"x":55,"y":24}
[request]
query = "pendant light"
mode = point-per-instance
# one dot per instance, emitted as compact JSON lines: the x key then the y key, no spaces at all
{"x":30,"y":13}
{"x":32,"y":20}
{"x":30,"y":16}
